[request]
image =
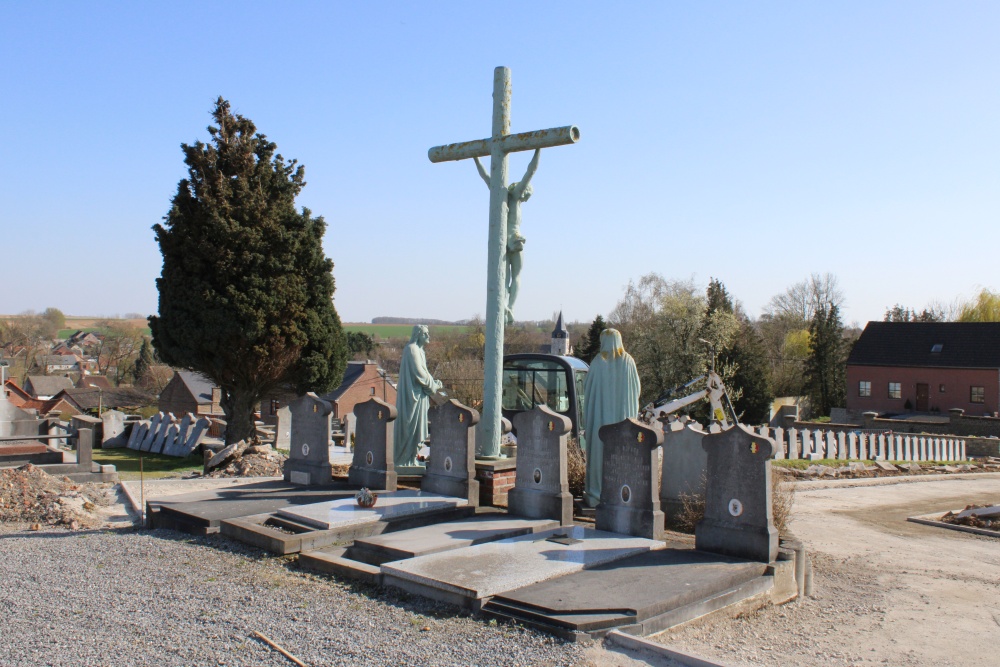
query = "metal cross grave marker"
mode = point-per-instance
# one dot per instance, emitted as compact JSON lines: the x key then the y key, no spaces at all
{"x":497,"y":147}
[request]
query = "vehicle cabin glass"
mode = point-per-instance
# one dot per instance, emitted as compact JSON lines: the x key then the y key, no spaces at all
{"x":529,"y":382}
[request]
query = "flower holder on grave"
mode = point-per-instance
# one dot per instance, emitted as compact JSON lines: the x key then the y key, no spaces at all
{"x":373,"y":465}
{"x":738,"y":517}
{"x":451,"y":470}
{"x":541,"y":489}
{"x":308,"y":462}
{"x":629,"y":500}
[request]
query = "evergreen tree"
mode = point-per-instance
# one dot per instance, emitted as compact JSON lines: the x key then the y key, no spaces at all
{"x":751,"y":376}
{"x":246,"y":293}
{"x":590,"y":346}
{"x":143,"y":362}
{"x":826,"y":365}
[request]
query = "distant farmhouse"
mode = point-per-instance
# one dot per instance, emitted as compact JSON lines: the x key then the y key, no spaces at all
{"x":191,"y":392}
{"x":898,"y":367}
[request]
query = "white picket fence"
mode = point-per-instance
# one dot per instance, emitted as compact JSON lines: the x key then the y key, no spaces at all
{"x":795,"y":443}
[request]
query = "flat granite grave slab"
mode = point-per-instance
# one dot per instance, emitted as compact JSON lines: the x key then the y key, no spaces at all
{"x":465,"y":577}
{"x":448,"y":536}
{"x":344,"y":512}
{"x":646,"y":593}
{"x":202,"y":511}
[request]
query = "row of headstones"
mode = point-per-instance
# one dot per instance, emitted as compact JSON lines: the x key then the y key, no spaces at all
{"x":164,"y":434}
{"x":735,"y":466}
{"x":819,"y":444}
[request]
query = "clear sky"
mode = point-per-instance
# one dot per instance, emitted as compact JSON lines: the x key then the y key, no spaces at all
{"x":752,"y":142}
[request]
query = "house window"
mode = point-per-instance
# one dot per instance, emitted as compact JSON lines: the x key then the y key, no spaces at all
{"x":275,"y":406}
{"x":895,"y":390}
{"x":941,"y":388}
{"x":865,"y":388}
{"x":936,"y":348}
{"x":372,"y":392}
{"x":977,"y":394}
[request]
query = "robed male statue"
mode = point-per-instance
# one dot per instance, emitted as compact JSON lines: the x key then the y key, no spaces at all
{"x":611,"y":395}
{"x":416,"y":386}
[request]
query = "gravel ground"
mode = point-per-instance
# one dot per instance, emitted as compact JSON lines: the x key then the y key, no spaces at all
{"x":164,"y":598}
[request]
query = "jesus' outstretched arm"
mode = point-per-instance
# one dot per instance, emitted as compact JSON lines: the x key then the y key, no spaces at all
{"x":482,"y":171}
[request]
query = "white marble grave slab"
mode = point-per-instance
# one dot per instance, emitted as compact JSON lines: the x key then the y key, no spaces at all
{"x":485,"y":570}
{"x":343,"y":512}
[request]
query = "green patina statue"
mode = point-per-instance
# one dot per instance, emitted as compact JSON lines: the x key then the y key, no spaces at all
{"x":611,"y":395}
{"x":516,"y":193}
{"x":416,"y":386}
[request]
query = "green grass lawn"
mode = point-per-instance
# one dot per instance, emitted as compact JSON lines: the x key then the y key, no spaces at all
{"x":381,"y":331}
{"x":154,"y":466}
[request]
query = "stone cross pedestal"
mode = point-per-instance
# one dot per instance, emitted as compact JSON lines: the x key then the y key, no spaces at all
{"x":373,"y":466}
{"x":500,"y":143}
{"x":629,"y":500}
{"x":309,"y":459}
{"x":541,"y":487}
{"x":452,"y":468}
{"x":684,"y":467}
{"x":738,"y":520}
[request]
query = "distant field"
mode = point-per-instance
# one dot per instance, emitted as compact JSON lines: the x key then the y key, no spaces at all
{"x":402,"y":330}
{"x":74,"y":324}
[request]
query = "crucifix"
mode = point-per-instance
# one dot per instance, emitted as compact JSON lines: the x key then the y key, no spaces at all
{"x":497,"y":303}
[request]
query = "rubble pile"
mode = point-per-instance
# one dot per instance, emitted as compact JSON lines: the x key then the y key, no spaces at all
{"x":254,"y":461}
{"x":976,"y":516}
{"x":32,"y":497}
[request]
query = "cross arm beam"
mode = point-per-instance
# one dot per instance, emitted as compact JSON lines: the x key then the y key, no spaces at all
{"x":509,"y":143}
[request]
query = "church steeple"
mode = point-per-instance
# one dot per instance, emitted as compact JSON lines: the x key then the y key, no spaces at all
{"x":560,"y":338}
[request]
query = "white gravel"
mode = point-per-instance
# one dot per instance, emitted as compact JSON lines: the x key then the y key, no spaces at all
{"x":163,"y":598}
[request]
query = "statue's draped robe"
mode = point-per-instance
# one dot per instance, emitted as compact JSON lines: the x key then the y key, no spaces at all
{"x":611,"y":395}
{"x":412,"y":401}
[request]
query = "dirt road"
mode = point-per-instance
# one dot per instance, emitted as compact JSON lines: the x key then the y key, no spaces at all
{"x":887,"y":591}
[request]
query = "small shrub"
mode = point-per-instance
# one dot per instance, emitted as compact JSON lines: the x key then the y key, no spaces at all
{"x":692,"y":511}
{"x":576,"y":465}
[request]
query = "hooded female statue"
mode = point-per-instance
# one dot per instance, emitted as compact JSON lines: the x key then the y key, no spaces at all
{"x":416,"y":386}
{"x":611,"y":395}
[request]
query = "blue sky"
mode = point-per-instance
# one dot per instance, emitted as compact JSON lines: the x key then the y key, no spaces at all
{"x":752,"y":142}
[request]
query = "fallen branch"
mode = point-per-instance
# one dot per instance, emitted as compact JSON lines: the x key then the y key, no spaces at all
{"x":277,"y":648}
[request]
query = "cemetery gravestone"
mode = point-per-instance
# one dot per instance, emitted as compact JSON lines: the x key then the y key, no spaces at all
{"x":154,"y":426}
{"x":176,"y":446}
{"x":283,"y":428}
{"x":161,"y":433}
{"x":629,"y":502}
{"x":309,"y":459}
{"x":373,"y":465}
{"x":451,"y":470}
{"x":139,"y":430}
{"x":114,"y":429}
{"x":738,"y":517}
{"x":197,"y":434}
{"x":541,"y":483}
{"x":684,"y":466}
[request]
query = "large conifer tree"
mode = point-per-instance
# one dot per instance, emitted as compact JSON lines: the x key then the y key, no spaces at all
{"x":826,"y":366}
{"x":246,"y":292}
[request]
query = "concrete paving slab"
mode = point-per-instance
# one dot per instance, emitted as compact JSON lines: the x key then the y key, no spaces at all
{"x":344,"y":512}
{"x":448,"y":536}
{"x":467,"y":576}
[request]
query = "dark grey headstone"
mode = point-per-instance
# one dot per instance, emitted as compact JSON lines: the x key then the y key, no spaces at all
{"x":541,"y":483}
{"x":452,"y":468}
{"x":309,"y":458}
{"x":630,"y":504}
{"x":738,"y":520}
{"x":684,"y":467}
{"x":373,"y":464}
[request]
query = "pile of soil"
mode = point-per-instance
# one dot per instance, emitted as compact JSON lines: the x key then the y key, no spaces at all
{"x":30,"y":496}
{"x":255,"y":461}
{"x":988,"y":522}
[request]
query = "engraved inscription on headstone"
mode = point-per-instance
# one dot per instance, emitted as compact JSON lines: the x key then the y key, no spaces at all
{"x":541,"y":486}
{"x":374,"y":450}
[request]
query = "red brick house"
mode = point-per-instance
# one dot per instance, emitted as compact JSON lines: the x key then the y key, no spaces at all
{"x":191,"y":392}
{"x":362,"y":380}
{"x":899,"y":367}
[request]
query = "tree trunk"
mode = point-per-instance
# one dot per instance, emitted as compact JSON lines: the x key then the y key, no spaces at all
{"x":238,"y":407}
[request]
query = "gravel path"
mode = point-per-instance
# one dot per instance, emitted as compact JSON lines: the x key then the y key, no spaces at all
{"x":164,"y":598}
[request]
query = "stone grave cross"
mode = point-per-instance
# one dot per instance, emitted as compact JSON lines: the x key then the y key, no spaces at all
{"x":497,"y":147}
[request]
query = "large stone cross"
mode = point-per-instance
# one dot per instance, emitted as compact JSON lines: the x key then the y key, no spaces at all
{"x":497,"y":147}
